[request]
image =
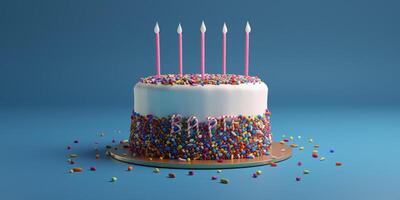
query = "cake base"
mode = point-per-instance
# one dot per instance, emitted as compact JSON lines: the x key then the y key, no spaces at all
{"x":279,"y":152}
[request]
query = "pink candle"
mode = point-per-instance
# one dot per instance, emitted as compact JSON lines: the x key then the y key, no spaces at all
{"x":224,"y":31}
{"x":246,"y":57}
{"x":157,"y":32}
{"x":202,"y":49}
{"x":179,"y":30}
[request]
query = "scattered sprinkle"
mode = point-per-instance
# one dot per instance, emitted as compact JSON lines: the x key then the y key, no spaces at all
{"x":191,"y":173}
{"x":338,"y":164}
{"x":224,"y":181}
{"x":72,"y":155}
{"x":171,"y":175}
{"x":76,"y":141}
{"x":306,"y":171}
{"x":214,"y":178}
{"x":156,"y":170}
{"x":258,"y":172}
{"x":291,"y":138}
{"x":130,"y":168}
{"x":92,"y":168}
{"x":273,"y":164}
{"x":69,"y":147}
{"x":322,"y":159}
{"x":332,"y":151}
{"x":219,"y":171}
{"x":254,"y":175}
{"x":299,"y":163}
{"x":310,"y":140}
{"x":298,"y":179}
{"x":301,"y":148}
{"x":114,"y":179}
{"x":77,"y":169}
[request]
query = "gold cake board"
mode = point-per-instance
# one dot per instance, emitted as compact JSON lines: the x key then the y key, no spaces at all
{"x":279,"y":152}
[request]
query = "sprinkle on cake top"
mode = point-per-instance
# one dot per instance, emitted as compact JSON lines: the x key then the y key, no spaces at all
{"x":195,"y":79}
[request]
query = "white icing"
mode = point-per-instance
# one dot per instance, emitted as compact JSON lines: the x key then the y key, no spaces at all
{"x":156,"y":28}
{"x":201,"y":101}
{"x":203,"y":27}
{"x":224,"y":29}
{"x":248,"y":28}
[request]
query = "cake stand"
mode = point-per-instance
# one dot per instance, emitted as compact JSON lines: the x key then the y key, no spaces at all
{"x":279,"y":152}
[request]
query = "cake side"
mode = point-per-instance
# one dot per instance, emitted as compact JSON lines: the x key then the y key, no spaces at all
{"x":177,"y":137}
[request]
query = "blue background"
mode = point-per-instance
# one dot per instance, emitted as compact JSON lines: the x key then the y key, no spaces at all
{"x":67,"y":69}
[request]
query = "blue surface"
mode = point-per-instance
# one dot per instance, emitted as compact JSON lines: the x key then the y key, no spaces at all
{"x":34,"y":158}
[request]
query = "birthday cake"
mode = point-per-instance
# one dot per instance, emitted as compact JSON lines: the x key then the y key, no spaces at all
{"x":211,"y":118}
{"x":200,"y":116}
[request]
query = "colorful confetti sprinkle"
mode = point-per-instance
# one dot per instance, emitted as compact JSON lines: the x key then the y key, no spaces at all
{"x":171,"y":175}
{"x":224,"y":181}
{"x":77,"y":169}
{"x":72,"y":155}
{"x":196,"y":79}
{"x":176,"y":137}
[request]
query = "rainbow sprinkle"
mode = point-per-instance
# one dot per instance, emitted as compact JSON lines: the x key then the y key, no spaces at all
{"x":195,"y":79}
{"x":177,"y":137}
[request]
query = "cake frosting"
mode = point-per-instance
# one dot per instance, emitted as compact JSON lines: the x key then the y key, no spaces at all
{"x":201,"y":101}
{"x":210,"y":118}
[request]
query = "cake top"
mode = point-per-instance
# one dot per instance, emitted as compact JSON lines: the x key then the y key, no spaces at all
{"x":195,"y":79}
